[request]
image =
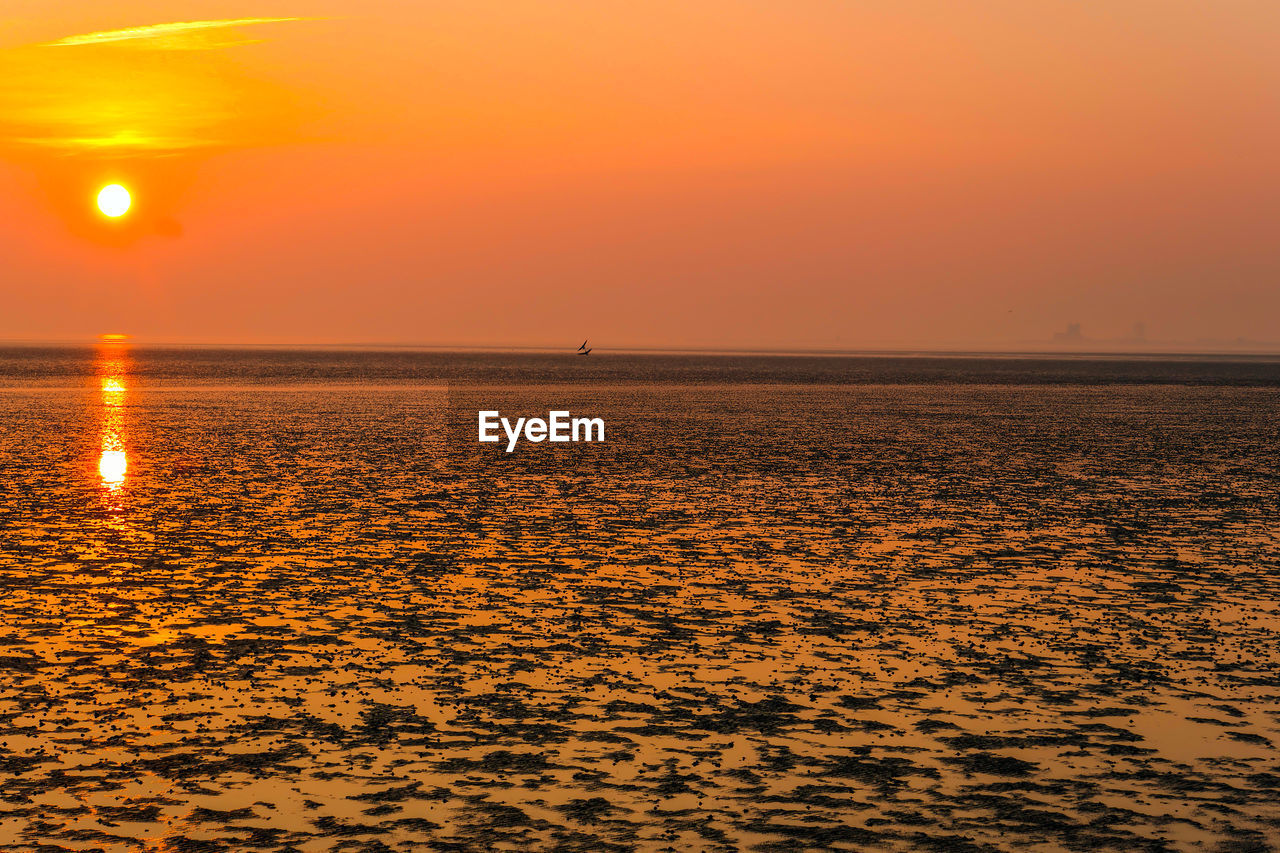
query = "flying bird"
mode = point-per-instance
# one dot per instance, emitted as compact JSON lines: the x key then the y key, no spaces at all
{"x":582,"y":347}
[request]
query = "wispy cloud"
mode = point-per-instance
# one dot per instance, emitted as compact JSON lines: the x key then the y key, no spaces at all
{"x":120,"y":141}
{"x":158,"y":90}
{"x":178,"y":35}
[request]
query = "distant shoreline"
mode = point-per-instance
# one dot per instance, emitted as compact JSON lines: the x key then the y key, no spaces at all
{"x":1171,"y":354}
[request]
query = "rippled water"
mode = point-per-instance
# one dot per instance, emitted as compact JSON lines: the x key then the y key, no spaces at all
{"x":283,"y":602}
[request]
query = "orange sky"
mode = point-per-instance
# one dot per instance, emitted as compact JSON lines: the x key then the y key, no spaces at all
{"x":817,"y":173}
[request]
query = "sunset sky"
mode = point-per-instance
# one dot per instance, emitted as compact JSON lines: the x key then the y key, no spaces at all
{"x":721,"y":173}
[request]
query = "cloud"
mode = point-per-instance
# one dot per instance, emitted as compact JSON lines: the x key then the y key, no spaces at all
{"x":154,"y":90}
{"x":178,"y":35}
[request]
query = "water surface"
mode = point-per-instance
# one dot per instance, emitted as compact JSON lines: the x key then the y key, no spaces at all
{"x":284,"y":601}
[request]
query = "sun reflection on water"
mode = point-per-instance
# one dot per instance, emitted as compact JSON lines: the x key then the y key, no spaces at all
{"x":112,"y":367}
{"x":112,"y":467}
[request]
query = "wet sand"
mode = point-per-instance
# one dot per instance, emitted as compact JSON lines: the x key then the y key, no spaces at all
{"x":759,"y":617}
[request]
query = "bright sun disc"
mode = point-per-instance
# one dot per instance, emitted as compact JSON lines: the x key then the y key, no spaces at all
{"x":113,"y":200}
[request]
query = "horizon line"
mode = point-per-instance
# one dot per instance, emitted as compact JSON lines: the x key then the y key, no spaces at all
{"x":1253,"y":349}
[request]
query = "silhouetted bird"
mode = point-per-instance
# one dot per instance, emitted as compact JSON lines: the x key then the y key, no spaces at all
{"x":583,"y":346}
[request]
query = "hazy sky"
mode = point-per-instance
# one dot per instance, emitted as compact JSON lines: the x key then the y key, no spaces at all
{"x":825,"y":173}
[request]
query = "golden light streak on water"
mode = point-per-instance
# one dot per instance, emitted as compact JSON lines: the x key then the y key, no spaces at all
{"x":113,"y":463}
{"x":112,"y":467}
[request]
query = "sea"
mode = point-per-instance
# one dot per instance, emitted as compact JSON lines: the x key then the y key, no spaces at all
{"x":285,"y":600}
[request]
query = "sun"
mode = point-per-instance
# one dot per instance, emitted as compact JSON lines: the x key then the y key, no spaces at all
{"x":114,"y":200}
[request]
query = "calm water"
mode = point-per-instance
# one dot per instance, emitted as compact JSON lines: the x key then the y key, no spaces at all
{"x":284,"y":601}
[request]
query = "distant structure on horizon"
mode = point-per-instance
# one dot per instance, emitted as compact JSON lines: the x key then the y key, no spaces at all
{"x":1071,"y":336}
{"x":1074,"y":335}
